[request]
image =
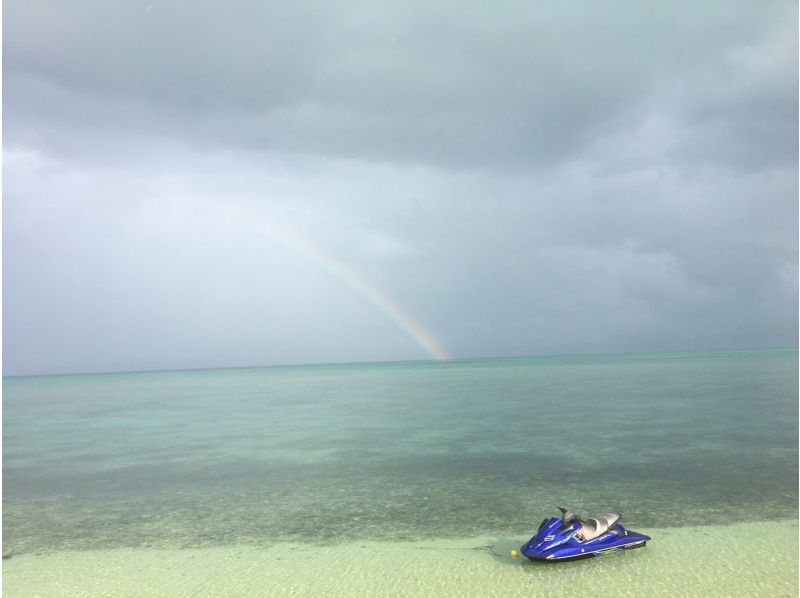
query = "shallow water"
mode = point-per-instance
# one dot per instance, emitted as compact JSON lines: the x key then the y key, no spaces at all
{"x":324,"y":455}
{"x":704,"y":562}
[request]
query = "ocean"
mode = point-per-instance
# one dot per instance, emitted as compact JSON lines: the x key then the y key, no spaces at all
{"x":412,"y":478}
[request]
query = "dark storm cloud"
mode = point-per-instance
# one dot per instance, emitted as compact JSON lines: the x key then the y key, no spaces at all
{"x":544,"y":178}
{"x":452,"y":85}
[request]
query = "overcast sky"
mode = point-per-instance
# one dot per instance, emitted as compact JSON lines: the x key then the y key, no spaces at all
{"x":203,"y":184}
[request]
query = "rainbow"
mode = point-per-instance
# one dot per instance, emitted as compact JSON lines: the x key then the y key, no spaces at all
{"x":361,"y":287}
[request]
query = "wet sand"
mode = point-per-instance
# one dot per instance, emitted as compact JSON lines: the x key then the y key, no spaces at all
{"x":747,"y":559}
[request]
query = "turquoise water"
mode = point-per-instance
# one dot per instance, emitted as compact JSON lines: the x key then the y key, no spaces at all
{"x":326,"y":454}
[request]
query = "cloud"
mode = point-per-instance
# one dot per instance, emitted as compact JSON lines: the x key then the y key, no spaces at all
{"x":545,"y":178}
{"x":449,"y":86}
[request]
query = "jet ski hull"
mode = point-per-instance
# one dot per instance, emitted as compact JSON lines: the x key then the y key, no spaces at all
{"x":558,"y":541}
{"x":585,"y":553}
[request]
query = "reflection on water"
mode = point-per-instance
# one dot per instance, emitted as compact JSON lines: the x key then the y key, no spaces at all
{"x":396,"y":451}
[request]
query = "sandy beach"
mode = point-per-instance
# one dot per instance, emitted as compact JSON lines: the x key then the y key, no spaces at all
{"x":747,"y":559}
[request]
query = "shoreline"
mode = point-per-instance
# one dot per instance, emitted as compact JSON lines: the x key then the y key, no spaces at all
{"x":752,"y":558}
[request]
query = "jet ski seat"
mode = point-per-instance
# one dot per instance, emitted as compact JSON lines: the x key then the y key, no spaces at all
{"x":597,"y":526}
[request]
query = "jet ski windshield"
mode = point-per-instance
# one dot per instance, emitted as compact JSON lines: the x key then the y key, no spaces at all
{"x":567,"y":517}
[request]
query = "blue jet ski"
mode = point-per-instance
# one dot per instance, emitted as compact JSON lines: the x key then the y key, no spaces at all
{"x":570,"y":538}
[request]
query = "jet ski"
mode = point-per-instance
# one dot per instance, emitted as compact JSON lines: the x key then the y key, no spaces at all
{"x":570,"y":538}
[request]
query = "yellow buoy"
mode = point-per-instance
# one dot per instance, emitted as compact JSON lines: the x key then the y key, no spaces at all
{"x":514,"y":554}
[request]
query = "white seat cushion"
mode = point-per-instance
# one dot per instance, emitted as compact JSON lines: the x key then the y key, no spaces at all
{"x":597,"y":526}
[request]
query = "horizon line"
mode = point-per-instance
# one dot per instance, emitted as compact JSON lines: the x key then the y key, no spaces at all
{"x":449,"y":360}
